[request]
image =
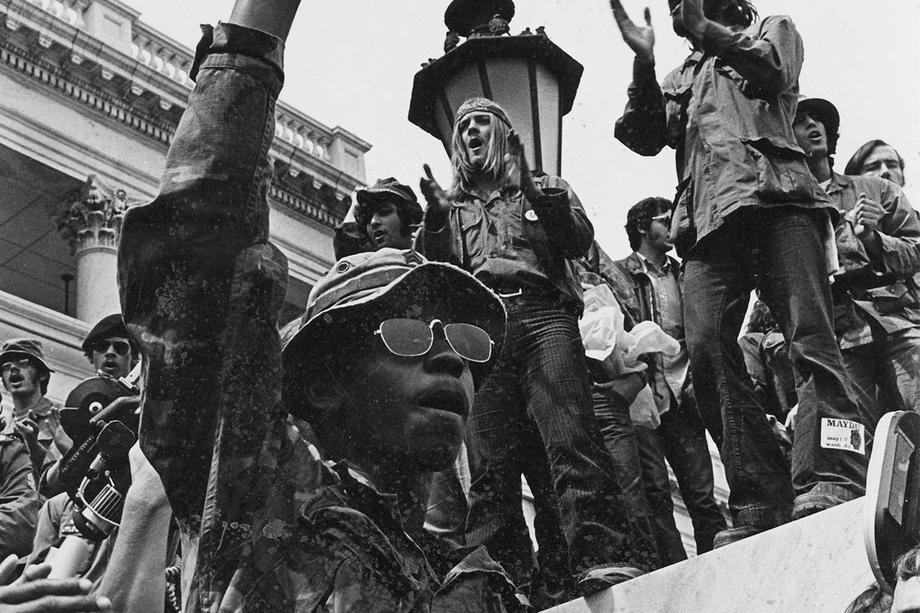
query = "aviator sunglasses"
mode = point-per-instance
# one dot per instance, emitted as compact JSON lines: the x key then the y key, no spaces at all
{"x":410,"y":338}
{"x":120,"y":347}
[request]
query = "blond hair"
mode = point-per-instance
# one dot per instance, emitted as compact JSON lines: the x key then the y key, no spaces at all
{"x":494,"y":165}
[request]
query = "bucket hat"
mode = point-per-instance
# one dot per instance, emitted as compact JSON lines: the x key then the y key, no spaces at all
{"x":360,"y":291}
{"x":18,"y":348}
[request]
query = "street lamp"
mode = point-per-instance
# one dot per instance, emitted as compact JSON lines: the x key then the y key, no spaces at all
{"x":527,"y":74}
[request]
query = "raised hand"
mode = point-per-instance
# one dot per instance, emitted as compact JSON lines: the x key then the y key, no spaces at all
{"x":641,"y":39}
{"x":517,"y":157}
{"x":438,"y":208}
{"x":33,"y":592}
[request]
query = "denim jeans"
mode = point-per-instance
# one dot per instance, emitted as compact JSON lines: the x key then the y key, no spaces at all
{"x":780,"y":251}
{"x":639,"y":456}
{"x":541,"y":380}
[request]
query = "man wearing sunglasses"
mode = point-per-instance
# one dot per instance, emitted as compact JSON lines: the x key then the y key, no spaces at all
{"x":519,"y":234}
{"x":382,"y":368}
{"x":646,"y":283}
{"x":109,"y":348}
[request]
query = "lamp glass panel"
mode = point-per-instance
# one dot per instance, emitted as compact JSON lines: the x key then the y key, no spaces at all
{"x":550,"y":126}
{"x":510,"y":84}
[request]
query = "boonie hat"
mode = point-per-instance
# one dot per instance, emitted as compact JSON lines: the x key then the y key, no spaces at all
{"x":362,"y":290}
{"x":18,"y":348}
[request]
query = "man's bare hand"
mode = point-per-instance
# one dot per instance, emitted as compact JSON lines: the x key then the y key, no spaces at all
{"x":641,"y":39}
{"x":33,"y":592}
{"x":438,"y":209}
{"x":518,"y":158}
{"x":120,"y":407}
{"x":866,"y":216}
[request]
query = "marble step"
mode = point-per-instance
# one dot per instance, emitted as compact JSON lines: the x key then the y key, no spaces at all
{"x":813,"y":565}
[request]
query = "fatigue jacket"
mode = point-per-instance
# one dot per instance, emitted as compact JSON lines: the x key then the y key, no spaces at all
{"x":265,"y":526}
{"x":728,"y":111}
{"x":555,"y":229}
{"x":634,"y":290}
{"x":18,"y":497}
{"x":894,"y":301}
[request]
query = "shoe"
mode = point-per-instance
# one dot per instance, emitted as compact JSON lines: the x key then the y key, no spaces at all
{"x":603,"y":577}
{"x":733,"y":535}
{"x":813,"y":502}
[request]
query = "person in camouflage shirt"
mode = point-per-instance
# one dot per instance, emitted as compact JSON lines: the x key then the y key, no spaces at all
{"x":270,"y":522}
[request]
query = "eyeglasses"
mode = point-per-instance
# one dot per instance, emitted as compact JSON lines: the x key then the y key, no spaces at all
{"x":21,"y":364}
{"x":664,"y":218}
{"x":121,"y":347}
{"x":410,"y":338}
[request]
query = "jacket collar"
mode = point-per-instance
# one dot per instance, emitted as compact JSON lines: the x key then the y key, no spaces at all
{"x":838,"y":183}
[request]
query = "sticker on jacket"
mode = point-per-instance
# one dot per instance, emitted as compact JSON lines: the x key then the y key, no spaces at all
{"x":843,"y":434}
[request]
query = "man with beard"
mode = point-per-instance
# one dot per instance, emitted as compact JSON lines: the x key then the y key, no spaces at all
{"x":748,"y":214}
{"x":646,"y":284}
{"x":519,"y":234}
{"x":878,"y":235}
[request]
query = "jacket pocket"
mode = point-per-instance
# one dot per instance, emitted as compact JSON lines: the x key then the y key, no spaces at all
{"x":892,"y":298}
{"x":782,"y":174}
{"x":469,"y":217}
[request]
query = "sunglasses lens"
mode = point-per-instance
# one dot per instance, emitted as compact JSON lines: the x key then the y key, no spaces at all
{"x":120,"y":347}
{"x":406,"y":337}
{"x":469,"y":341}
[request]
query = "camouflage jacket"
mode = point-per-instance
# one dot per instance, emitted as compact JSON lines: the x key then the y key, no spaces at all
{"x":266,"y":525}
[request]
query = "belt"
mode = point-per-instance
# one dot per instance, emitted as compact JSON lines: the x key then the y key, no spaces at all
{"x":514,"y":291}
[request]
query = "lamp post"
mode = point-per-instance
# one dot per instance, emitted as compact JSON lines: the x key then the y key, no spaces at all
{"x":533,"y":79}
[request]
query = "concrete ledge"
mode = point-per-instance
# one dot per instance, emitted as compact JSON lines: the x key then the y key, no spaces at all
{"x":815,"y":564}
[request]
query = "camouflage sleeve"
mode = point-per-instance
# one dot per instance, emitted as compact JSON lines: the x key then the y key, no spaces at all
{"x":200,"y":288}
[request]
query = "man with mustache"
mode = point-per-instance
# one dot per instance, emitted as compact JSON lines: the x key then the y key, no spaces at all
{"x":26,"y":375}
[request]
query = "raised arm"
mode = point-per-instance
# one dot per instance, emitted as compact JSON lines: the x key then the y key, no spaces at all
{"x":643,"y":126}
{"x":770,"y":61}
{"x":201,"y":287}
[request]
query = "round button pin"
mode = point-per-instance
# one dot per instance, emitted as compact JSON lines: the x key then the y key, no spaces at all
{"x":530,"y":215}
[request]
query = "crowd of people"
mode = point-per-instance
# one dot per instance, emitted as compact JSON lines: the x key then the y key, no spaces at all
{"x":369,"y":456}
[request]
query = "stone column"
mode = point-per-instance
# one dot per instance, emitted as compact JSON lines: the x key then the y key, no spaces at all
{"x":92,"y":225}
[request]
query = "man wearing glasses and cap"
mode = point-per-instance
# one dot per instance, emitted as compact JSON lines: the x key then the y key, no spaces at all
{"x":382,"y":367}
{"x":26,"y":376}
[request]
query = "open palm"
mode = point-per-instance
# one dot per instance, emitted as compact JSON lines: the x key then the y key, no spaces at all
{"x":641,"y":39}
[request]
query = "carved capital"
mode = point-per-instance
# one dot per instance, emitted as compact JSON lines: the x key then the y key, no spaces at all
{"x":93,"y":216}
